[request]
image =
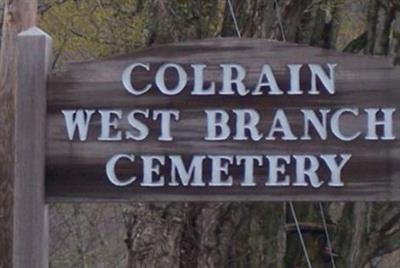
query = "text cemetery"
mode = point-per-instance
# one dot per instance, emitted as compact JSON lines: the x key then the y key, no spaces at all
{"x":244,"y":124}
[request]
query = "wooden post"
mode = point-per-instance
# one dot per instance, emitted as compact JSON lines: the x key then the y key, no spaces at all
{"x":30,"y":227}
{"x":19,"y":15}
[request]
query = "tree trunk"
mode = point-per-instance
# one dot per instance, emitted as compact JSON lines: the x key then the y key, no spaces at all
{"x":367,"y":240}
{"x":381,"y":14}
{"x":254,"y":18}
{"x":19,"y":15}
{"x":310,"y":22}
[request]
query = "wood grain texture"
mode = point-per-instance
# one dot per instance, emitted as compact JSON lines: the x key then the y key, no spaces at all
{"x":30,"y":215}
{"x":19,"y":15}
{"x":76,"y":170}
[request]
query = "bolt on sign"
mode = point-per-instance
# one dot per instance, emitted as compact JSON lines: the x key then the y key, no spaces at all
{"x":225,"y":119}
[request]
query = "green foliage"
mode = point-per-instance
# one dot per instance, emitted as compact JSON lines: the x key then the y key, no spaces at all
{"x":94,"y":28}
{"x":98,"y":28}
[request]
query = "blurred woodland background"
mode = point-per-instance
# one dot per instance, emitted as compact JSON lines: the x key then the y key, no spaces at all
{"x":129,"y":235}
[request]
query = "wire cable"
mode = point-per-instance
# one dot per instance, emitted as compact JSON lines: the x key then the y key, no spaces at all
{"x":278,"y":16}
{"x":234,"y":19}
{"x":290,"y":202}
{"x":328,"y":240}
{"x":303,"y":244}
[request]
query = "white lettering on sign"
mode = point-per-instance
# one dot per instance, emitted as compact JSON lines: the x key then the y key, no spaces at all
{"x":229,"y":80}
{"x":109,"y":123}
{"x":387,"y":124}
{"x":280,"y":125}
{"x":335,"y":124}
{"x":247,"y":119}
{"x":327,"y":80}
{"x":142,"y":131}
{"x":233,"y":80}
{"x":77,"y":119}
{"x":266,"y":74}
{"x":311,"y":118}
{"x":234,"y":127}
{"x":126,"y":79}
{"x":217,"y":125}
{"x":249,"y":164}
{"x":151,"y":167}
{"x":237,"y":125}
{"x":295,"y":79}
{"x":198,"y":88}
{"x":247,"y":126}
{"x":110,"y":169}
{"x":275,"y":169}
{"x":178,"y":170}
{"x":166,"y":117}
{"x":160,"y":79}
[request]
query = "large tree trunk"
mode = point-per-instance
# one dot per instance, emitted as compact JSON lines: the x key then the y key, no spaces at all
{"x":245,"y":234}
{"x":255,"y":18}
{"x":19,"y":15}
{"x":367,"y":242}
{"x":381,"y":14}
{"x":254,"y":235}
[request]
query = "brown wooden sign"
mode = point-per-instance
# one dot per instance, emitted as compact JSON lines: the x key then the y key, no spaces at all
{"x":225,"y":119}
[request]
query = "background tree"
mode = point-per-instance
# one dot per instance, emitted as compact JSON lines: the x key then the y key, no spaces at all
{"x":240,"y":234}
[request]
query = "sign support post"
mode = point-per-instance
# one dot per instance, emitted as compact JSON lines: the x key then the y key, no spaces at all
{"x":30,"y":224}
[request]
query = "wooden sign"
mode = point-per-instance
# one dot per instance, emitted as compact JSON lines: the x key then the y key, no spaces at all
{"x":225,"y":119}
